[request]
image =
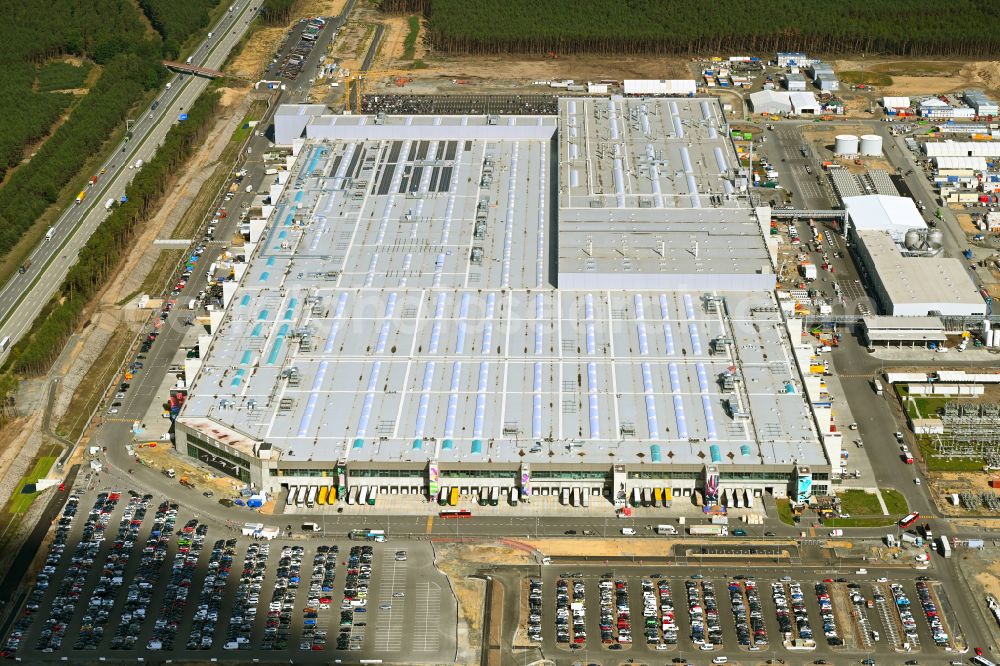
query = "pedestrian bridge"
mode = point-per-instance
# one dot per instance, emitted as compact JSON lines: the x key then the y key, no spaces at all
{"x":193,"y":69}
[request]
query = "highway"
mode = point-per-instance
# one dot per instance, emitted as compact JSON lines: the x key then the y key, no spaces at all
{"x":24,"y":294}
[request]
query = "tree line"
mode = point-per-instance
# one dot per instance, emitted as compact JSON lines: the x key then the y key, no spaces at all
{"x":176,"y":21}
{"x":656,"y":27}
{"x":277,"y":12}
{"x":34,"y":116}
{"x":35,"y":353}
{"x":110,"y":33}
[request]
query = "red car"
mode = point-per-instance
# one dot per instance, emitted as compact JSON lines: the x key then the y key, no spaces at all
{"x":979,"y":652}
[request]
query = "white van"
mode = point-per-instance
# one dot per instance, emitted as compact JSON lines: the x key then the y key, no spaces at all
{"x":628,"y":531}
{"x":138,"y":164}
{"x":720,"y":660}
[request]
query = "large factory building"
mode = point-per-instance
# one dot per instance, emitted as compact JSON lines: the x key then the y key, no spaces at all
{"x":577,"y":305}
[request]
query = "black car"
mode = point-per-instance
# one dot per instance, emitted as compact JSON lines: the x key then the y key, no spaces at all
{"x":570,"y":532}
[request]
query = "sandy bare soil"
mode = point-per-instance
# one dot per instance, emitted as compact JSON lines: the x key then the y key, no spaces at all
{"x":258,"y":52}
{"x":394,"y":41}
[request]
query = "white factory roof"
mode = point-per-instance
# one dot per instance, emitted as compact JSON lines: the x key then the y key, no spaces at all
{"x":803,"y":102}
{"x":770,"y":101}
{"x":933,"y":103}
{"x":659,"y":87}
{"x":402,"y":306}
{"x":921,"y":284}
{"x":896,"y":102}
{"x":883,"y":213}
{"x":662,"y":209}
{"x":962,"y":148}
{"x":977,"y":163}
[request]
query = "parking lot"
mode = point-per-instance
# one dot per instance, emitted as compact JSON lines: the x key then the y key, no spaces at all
{"x":595,"y":612}
{"x":165,"y":582}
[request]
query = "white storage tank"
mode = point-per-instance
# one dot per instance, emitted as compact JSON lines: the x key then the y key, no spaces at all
{"x":845,"y":144}
{"x":871,"y":145}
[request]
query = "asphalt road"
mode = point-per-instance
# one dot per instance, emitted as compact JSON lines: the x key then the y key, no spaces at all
{"x":25,"y":293}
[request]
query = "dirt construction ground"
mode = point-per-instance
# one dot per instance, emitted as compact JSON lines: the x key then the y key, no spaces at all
{"x":928,"y":77}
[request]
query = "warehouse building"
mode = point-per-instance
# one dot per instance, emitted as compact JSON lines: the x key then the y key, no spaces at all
{"x":896,"y":105}
{"x":962,"y":148}
{"x":779,"y":102}
{"x":880,"y":331}
{"x":795,"y":82}
{"x":419,"y":317}
{"x":978,"y":100}
{"x":654,"y":88}
{"x":770,"y":101}
{"x":827,"y":82}
{"x":793,"y":59}
{"x":901,"y":258}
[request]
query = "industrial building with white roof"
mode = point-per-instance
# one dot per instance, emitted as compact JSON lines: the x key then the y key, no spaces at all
{"x":578,"y":305}
{"x":901,"y":256}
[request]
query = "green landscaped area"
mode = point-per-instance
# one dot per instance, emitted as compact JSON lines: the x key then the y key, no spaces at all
{"x":784,"y":511}
{"x":410,"y":43}
{"x":859,"y":503}
{"x":20,"y":501}
{"x":924,"y":408}
{"x":867,"y":78}
{"x":871,"y":521}
{"x":895,"y":502}
{"x":863,"y":508}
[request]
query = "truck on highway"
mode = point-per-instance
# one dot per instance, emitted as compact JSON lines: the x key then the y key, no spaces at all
{"x":92,"y":181}
{"x":945,"y":546}
{"x":666,"y":530}
{"x":708,"y":530}
{"x":50,"y":234}
{"x":23,"y":268}
{"x":81,"y":196}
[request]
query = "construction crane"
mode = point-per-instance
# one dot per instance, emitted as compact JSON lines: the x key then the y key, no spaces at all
{"x":352,"y":100}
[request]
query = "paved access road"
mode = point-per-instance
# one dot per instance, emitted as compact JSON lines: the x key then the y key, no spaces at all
{"x":25,"y":293}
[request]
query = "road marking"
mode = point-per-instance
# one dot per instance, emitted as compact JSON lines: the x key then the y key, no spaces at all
{"x":426,"y":636}
{"x":430,"y":524}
